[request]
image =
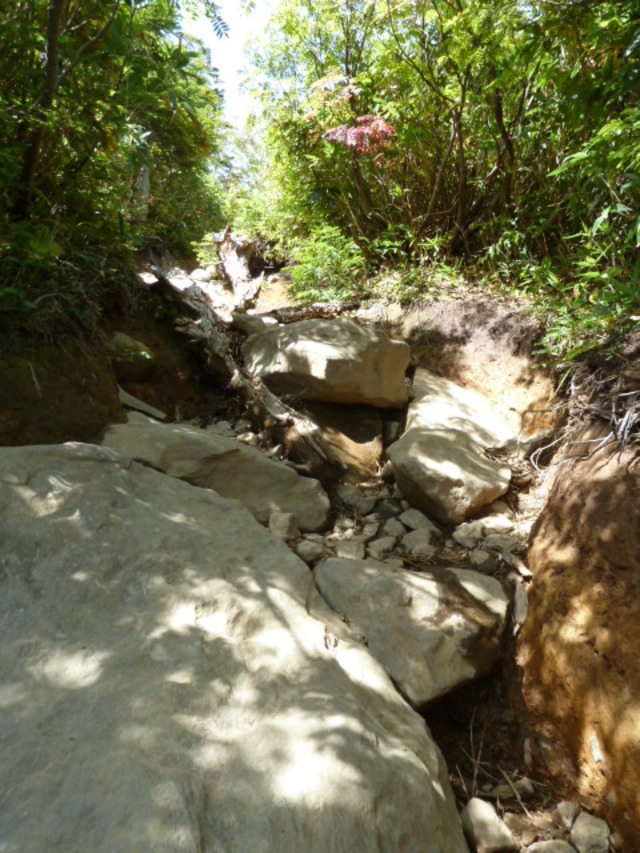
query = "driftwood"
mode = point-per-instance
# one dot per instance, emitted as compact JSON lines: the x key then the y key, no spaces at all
{"x":236,"y":253}
{"x":317,"y":310}
{"x":303,"y":440}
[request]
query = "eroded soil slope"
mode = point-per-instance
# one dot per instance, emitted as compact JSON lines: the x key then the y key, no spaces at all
{"x":579,"y":646}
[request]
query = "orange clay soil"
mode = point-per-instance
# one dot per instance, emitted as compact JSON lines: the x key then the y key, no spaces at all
{"x":579,"y":646}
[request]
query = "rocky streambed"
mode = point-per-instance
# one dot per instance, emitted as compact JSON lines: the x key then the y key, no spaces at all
{"x":242,"y":631}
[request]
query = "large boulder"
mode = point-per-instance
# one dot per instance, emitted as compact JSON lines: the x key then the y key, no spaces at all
{"x":440,"y":463}
{"x":441,"y":404}
{"x":214,"y":461}
{"x":166,"y":688}
{"x":337,"y":361}
{"x":431,"y":631}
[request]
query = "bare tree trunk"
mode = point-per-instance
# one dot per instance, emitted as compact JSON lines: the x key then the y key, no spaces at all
{"x":44,"y":104}
{"x":302,"y":438}
{"x":236,"y":254}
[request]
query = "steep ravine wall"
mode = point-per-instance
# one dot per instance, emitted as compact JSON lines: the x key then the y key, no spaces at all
{"x":579,"y":646}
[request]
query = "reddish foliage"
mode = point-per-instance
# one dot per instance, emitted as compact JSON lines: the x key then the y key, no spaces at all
{"x":368,"y":136}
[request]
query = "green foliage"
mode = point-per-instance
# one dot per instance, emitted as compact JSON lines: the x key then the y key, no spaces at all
{"x":327,"y":266}
{"x":517,"y":145}
{"x":108,"y":119}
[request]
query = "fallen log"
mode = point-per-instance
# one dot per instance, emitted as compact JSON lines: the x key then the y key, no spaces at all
{"x":302,"y":439}
{"x":315,"y":311}
{"x":236,"y":253}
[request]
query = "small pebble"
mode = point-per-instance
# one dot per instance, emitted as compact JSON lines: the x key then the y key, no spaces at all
{"x":249,"y":438}
{"x":484,"y":830}
{"x":350,"y":550}
{"x":589,"y":834}
{"x":565,"y":814}
{"x":416,"y":520}
{"x":418,"y":543}
{"x":310,"y":551}
{"x":393,"y":527}
{"x":370,"y":530}
{"x":379,"y":548}
{"x":556,"y":845}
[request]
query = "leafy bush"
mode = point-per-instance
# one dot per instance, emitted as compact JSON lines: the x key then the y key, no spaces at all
{"x":327,"y":265}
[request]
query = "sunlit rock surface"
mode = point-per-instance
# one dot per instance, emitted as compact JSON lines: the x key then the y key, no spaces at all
{"x":165,"y":686}
{"x":440,"y":462}
{"x":234,"y":470}
{"x":432,"y":631}
{"x":337,"y":361}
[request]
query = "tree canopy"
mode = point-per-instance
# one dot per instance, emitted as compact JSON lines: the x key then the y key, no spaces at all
{"x":109,"y":117}
{"x":513,"y":136}
{"x":405,"y":133}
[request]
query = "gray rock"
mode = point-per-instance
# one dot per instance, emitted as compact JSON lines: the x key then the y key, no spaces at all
{"x":249,"y":438}
{"x":522,"y":788}
{"x":416,"y":520}
{"x":485,"y":589}
{"x":484,"y":830}
{"x":310,"y":551}
{"x":441,"y":404}
{"x":481,"y":560}
{"x":213,"y":461}
{"x":393,"y":527}
{"x":388,"y":507}
{"x":283,"y":525}
{"x":432,"y":631}
{"x":418,"y":543}
{"x":350,"y":549}
{"x":497,"y":523}
{"x":248,"y":324}
{"x":165,"y":686}
{"x":360,"y":501}
{"x":379,"y":548}
{"x":470,"y":533}
{"x":500,"y":542}
{"x":220,"y":297}
{"x":439,"y":463}
{"x":566,"y":813}
{"x":445,"y":473}
{"x":556,"y":845}
{"x":589,"y":834}
{"x":520,"y":602}
{"x":334,"y":360}
{"x":370,"y":530}
{"x":222,"y":427}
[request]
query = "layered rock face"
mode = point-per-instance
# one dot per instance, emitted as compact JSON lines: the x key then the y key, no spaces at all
{"x":440,"y":463}
{"x":209,"y":459}
{"x":166,"y":685}
{"x":336,"y":361}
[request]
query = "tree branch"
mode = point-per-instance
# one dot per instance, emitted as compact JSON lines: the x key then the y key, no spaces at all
{"x":89,"y":45}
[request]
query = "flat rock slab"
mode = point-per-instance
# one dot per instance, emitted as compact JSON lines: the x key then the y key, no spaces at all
{"x":336,"y":361}
{"x":431,"y":631}
{"x":165,"y":687}
{"x":440,"y":462}
{"x":445,"y":473}
{"x":439,"y":403}
{"x":214,"y":461}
